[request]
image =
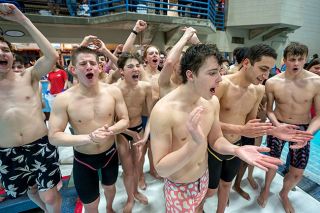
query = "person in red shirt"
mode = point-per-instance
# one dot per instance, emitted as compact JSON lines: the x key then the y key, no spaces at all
{"x":57,"y":82}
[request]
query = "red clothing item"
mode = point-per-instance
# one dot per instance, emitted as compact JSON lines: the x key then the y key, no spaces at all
{"x":313,"y":111}
{"x":57,"y":80}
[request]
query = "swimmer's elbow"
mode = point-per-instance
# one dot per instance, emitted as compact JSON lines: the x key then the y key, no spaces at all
{"x":161,"y":171}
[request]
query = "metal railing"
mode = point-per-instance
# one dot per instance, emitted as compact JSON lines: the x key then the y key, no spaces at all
{"x":202,"y":9}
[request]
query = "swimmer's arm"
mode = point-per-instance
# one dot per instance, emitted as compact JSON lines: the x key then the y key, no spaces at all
{"x":173,"y":58}
{"x":121,"y":113}
{"x":315,"y":122}
{"x":113,"y":76}
{"x":215,"y":138}
{"x":149,"y":100}
{"x":270,"y":101}
{"x":58,"y":122}
{"x":106,"y":52}
{"x":166,"y":161}
{"x":50,"y":55}
{"x":139,"y":27}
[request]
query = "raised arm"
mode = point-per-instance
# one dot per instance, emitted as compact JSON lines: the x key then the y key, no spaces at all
{"x":138,"y":28}
{"x":174,"y":56}
{"x":50,"y":56}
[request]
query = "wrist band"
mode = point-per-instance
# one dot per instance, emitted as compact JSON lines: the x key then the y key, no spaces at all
{"x":135,"y":32}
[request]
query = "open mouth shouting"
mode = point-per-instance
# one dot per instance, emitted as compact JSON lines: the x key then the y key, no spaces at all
{"x":135,"y":77}
{"x":89,"y":76}
{"x":3,"y":63}
{"x":213,"y":90}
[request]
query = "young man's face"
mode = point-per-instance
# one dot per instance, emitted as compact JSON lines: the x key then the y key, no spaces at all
{"x":315,"y":69}
{"x":260,"y":70}
{"x":162,"y":59}
{"x":6,"y":58}
{"x":208,"y":78}
{"x":152,"y":57}
{"x":131,"y":71}
{"x":295,"y":63}
{"x":87,"y":69}
{"x":18,"y":67}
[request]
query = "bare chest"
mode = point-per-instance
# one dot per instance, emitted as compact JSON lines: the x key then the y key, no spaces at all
{"x":238,"y":101}
{"x":15,"y":95}
{"x":298,"y":92}
{"x":84,"y":111}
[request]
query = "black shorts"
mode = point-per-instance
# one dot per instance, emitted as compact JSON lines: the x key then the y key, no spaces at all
{"x":32,"y":164}
{"x":247,"y":141}
{"x":223,"y":167}
{"x":86,"y":172}
{"x":137,"y":129}
{"x":298,"y":157}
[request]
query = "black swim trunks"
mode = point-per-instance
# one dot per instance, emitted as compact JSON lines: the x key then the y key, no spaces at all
{"x":223,"y":167}
{"x":137,"y":129}
{"x":24,"y":166}
{"x":86,"y":172}
{"x":298,"y":157}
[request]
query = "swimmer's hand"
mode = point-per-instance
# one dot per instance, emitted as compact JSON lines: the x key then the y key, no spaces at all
{"x":251,"y":155}
{"x":142,"y":141}
{"x":11,"y":12}
{"x":292,"y":133}
{"x":87,"y":40}
{"x":140,"y":26}
{"x":254,"y":128}
{"x":193,"y":126}
{"x":100,"y":135}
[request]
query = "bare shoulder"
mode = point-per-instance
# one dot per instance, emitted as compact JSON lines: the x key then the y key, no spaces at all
{"x":225,"y":80}
{"x":160,"y":111}
{"x":275,"y":79}
{"x":214,"y":102}
{"x":145,"y":84}
{"x":260,"y":89}
{"x":111,"y":88}
{"x":65,"y":97}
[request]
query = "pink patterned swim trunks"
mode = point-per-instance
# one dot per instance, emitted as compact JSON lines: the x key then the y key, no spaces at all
{"x":185,"y":197}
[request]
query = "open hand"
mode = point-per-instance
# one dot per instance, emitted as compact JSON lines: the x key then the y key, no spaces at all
{"x":292,"y":133}
{"x":193,"y":125}
{"x":254,"y":128}
{"x":251,"y":155}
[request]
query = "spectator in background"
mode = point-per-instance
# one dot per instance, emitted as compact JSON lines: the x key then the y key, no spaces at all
{"x":226,"y":62}
{"x":238,"y":55}
{"x":54,"y":6}
{"x":163,"y":57}
{"x":314,"y":66}
{"x":18,"y":64}
{"x":72,"y":6}
{"x":58,"y":82}
{"x":162,"y":5}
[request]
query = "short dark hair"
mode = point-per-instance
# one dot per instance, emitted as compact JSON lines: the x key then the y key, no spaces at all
{"x":240,"y":54}
{"x":314,"y":62}
{"x":255,"y":52}
{"x":18,"y":58}
{"x":80,"y":50}
{"x":195,"y":56}
{"x":2,"y":39}
{"x":295,"y":49}
{"x":126,"y":56}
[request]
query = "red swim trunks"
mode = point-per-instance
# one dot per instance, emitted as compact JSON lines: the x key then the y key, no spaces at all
{"x":185,"y":197}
